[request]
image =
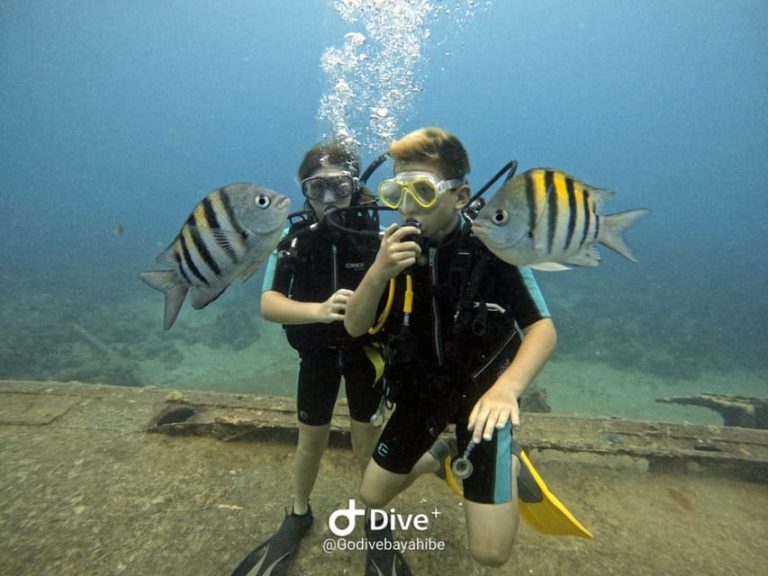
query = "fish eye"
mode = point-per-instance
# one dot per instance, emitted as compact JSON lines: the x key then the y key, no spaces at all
{"x":263,"y":201}
{"x":499,"y":217}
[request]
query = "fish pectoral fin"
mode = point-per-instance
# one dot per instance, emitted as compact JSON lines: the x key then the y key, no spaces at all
{"x":227,"y":237}
{"x":549,"y":267}
{"x":201,"y":297}
{"x":168,"y":283}
{"x":588,"y":257}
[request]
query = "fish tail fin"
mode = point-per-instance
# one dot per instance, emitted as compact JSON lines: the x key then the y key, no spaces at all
{"x":166,"y":282}
{"x":614,"y":226}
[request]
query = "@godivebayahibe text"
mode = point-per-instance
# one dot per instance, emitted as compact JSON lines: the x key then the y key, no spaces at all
{"x":342,"y":523}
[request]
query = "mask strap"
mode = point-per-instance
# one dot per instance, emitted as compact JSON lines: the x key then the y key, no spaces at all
{"x":510,"y":167}
{"x":373,"y":166}
{"x":476,"y":203}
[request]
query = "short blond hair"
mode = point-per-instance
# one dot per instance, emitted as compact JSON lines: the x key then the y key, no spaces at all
{"x":435,"y":145}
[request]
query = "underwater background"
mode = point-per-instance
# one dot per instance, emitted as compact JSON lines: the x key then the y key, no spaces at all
{"x":118,"y":117}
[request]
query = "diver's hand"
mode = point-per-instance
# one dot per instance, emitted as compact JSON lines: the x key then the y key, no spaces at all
{"x":333,"y":309}
{"x":396,"y":253}
{"x":494,"y":409}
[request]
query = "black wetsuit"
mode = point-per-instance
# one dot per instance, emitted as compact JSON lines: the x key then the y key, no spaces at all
{"x":320,"y":263}
{"x":468,"y":310}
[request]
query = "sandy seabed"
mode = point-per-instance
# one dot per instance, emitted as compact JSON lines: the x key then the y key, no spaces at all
{"x":87,"y":492}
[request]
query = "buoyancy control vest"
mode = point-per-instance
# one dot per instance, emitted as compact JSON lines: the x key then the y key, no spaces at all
{"x":458,"y":330}
{"x":315,"y":262}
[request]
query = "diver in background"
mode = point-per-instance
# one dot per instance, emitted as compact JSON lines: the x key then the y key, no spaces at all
{"x":306,"y":289}
{"x":457,"y":355}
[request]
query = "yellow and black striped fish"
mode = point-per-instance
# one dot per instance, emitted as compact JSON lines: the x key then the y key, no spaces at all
{"x":544,"y":219}
{"x":228,"y":235}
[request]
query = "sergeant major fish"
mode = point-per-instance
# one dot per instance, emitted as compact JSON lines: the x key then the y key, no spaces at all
{"x":544,"y":219}
{"x":228,"y":235}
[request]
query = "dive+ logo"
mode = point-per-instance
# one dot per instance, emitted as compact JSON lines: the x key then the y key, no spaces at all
{"x":379,"y":519}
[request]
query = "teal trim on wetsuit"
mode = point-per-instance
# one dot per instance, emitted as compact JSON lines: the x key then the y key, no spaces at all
{"x":535,"y":291}
{"x":503,"y":484}
{"x":269,"y":271}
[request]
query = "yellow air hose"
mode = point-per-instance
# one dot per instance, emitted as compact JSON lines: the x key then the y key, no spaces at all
{"x":407,"y":304}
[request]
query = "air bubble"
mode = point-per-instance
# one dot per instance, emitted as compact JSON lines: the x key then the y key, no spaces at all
{"x":372,"y":76}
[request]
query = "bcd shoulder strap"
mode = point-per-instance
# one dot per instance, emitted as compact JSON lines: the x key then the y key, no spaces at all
{"x":466,"y":275}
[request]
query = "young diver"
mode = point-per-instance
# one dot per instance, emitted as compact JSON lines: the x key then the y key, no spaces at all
{"x":307,"y":289}
{"x":455,"y":352}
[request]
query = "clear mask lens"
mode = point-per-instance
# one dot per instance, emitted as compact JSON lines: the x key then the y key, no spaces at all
{"x":341,"y":185}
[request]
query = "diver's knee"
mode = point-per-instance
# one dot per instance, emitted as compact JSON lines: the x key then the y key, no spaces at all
{"x":313,"y":438}
{"x":490,"y":556}
{"x":363,"y":437}
{"x":373,"y":498}
{"x":379,"y":486}
{"x":491,"y":551}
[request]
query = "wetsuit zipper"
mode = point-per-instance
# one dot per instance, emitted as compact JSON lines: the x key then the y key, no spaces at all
{"x":436,"y":330}
{"x":334,"y":268}
{"x":334,"y":287}
{"x":493,"y":357}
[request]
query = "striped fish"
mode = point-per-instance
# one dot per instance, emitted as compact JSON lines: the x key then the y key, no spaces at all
{"x":228,"y":235}
{"x":545,"y":219}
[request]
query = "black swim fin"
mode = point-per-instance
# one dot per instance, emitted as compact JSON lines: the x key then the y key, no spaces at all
{"x":383,"y":560}
{"x":271,"y":558}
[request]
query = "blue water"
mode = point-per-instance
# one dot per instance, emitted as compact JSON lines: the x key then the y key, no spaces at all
{"x":129,"y":112}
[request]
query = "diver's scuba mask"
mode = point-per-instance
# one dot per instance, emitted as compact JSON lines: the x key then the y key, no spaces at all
{"x":423,"y":187}
{"x":342,"y":185}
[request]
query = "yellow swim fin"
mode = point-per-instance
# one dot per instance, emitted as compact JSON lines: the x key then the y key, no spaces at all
{"x":373,"y":352}
{"x":541,"y":509}
{"x":444,"y":452}
{"x":450,"y":479}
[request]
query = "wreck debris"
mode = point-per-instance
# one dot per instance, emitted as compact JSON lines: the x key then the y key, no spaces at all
{"x":741,"y":411}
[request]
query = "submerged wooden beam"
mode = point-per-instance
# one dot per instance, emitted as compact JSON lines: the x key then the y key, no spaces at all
{"x":721,"y":450}
{"x":742,"y":411}
{"x":725,"y":450}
